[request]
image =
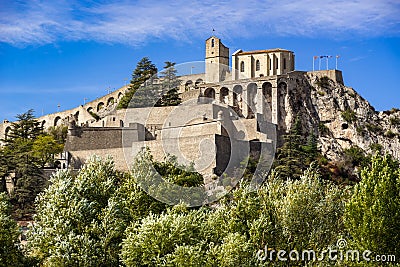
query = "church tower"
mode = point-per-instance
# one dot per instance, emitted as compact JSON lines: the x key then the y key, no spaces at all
{"x":217,"y":60}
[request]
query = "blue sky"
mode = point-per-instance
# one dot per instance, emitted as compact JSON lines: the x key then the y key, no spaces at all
{"x":60,"y":52}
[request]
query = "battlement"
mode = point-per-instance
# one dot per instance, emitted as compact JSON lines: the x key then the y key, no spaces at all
{"x":334,"y":75}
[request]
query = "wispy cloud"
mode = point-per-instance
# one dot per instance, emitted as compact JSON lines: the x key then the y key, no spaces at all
{"x":135,"y":22}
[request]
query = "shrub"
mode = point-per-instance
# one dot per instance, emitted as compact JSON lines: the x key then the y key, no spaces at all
{"x":372,"y":215}
{"x":374,"y":128}
{"x":323,"y":129}
{"x":349,"y":116}
{"x":395,"y":121}
{"x":323,"y":82}
{"x":390,"y":134}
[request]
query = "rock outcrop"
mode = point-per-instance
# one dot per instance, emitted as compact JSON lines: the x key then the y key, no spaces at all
{"x":341,"y":117}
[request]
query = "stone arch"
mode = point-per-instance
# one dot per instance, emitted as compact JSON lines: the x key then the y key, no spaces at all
{"x":237,"y":96}
{"x":110,"y":101}
{"x":198,"y":81}
{"x":188,"y":84}
{"x":267,"y":93}
{"x":209,"y":93}
{"x":76,"y":116}
{"x":120,"y":94}
{"x":100,"y":105}
{"x":224,"y":95}
{"x":251,"y":99}
{"x":57,"y":121}
{"x":282,"y":91}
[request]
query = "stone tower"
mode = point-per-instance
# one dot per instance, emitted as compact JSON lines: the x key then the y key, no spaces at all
{"x":217,"y":60}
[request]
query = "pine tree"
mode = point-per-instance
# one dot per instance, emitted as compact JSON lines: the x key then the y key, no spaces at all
{"x":291,"y":158}
{"x":170,"y":84}
{"x":145,"y":70}
{"x":26,"y":151}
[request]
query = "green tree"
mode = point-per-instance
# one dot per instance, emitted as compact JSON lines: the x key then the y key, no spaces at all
{"x":10,"y":254}
{"x":26,"y":151}
{"x":79,"y":220}
{"x":372,"y":215}
{"x":144,"y":71}
{"x":59,"y":133}
{"x":291,"y":158}
{"x":170,"y":86}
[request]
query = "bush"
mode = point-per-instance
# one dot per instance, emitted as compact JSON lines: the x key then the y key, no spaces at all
{"x":374,"y":128}
{"x":10,"y":254}
{"x":372,"y":214}
{"x":323,"y":82}
{"x":323,"y":129}
{"x":395,"y":121}
{"x":390,"y":134}
{"x":349,"y":116}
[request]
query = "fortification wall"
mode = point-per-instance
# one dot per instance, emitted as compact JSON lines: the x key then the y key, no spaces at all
{"x":335,"y":75}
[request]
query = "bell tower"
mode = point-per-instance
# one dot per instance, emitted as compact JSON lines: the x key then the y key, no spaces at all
{"x":217,"y":60}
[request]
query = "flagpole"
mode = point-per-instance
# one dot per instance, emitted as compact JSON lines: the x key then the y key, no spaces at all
{"x":313,"y":60}
{"x":327,"y":60}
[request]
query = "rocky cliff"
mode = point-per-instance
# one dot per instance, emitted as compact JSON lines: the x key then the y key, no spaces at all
{"x":341,"y":117}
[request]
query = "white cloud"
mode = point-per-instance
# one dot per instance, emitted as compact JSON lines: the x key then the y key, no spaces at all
{"x":128,"y":22}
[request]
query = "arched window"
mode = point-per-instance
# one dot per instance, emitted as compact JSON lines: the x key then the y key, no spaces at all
{"x":257,"y":65}
{"x":242,"y":66}
{"x":212,"y":42}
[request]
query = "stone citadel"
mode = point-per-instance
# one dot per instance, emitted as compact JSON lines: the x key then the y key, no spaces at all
{"x":253,"y":101}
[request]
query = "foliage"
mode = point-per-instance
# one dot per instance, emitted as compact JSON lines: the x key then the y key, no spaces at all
{"x":394,"y":121}
{"x":356,"y":156}
{"x":390,"y":134}
{"x":59,"y":133}
{"x":374,"y":128}
{"x":282,"y":215}
{"x":10,"y":253}
{"x":27,"y":149}
{"x":44,"y":148}
{"x":310,"y":212}
{"x":372,"y":214}
{"x":169,"y":86}
{"x":296,"y":153}
{"x":323,"y":82}
{"x":349,"y":116}
{"x":323,"y":129}
{"x":144,"y":71}
{"x":79,"y":219}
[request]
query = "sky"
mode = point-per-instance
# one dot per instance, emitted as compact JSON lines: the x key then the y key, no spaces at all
{"x":55,"y":55}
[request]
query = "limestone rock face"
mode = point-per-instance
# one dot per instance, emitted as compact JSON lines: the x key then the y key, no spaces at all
{"x":340,"y":117}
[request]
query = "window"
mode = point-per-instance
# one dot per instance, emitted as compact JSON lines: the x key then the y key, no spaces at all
{"x":276,"y":65}
{"x":257,"y":65}
{"x":212,"y":42}
{"x":242,"y":66}
{"x":284,"y":63}
{"x":270,"y":64}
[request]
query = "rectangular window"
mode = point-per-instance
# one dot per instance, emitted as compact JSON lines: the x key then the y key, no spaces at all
{"x":276,"y":65}
{"x":284,"y":63}
{"x":270,"y":64}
